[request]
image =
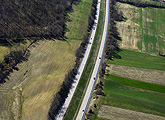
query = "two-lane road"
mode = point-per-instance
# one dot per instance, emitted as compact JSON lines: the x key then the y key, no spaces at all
{"x":81,"y":67}
{"x":85,"y":102}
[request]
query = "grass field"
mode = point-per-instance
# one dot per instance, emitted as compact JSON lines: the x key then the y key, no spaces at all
{"x":79,"y":20}
{"x":139,"y":60}
{"x":127,"y":95}
{"x":137,"y":84}
{"x":79,"y":93}
{"x":152,"y":26}
{"x":146,"y":26}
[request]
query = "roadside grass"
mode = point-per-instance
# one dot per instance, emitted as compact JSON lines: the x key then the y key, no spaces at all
{"x":139,"y":60}
{"x":135,"y":83}
{"x":124,"y":96}
{"x":76,"y":28}
{"x":79,"y":93}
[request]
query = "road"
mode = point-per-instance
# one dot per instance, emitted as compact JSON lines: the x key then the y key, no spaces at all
{"x":85,"y":102}
{"x":81,"y":67}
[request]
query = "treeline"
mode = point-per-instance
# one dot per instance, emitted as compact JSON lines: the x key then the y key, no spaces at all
{"x":112,"y":46}
{"x":113,"y":35}
{"x":144,"y":3}
{"x":32,"y":18}
{"x":60,"y":97}
{"x":10,"y":62}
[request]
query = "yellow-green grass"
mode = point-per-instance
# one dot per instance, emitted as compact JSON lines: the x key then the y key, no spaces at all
{"x":49,"y":62}
{"x":3,"y":50}
{"x":139,"y":60}
{"x":79,"y":19}
{"x":129,"y":97}
{"x":52,"y":61}
{"x":79,"y":93}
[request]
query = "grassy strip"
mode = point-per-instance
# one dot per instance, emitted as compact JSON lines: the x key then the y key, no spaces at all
{"x":77,"y":98}
{"x":135,"y":83}
{"x":124,"y":96}
{"x":139,"y":60}
{"x":79,"y":20}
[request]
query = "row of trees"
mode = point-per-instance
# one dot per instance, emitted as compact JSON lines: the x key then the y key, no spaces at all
{"x":32,"y":18}
{"x":144,"y":3}
{"x":60,"y":97}
{"x":113,"y":35}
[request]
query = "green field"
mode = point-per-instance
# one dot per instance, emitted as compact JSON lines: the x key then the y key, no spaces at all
{"x":126,"y":95}
{"x":79,"y":93}
{"x":151,"y":29}
{"x":139,"y":60}
{"x":137,"y":84}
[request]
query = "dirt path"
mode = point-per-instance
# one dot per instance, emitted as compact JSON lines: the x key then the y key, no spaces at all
{"x":115,"y":113}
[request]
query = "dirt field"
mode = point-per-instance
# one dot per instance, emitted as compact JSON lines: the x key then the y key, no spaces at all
{"x":115,"y":113}
{"x":128,"y":29}
{"x":145,"y":75}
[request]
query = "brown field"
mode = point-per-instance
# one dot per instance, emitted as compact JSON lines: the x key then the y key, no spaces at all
{"x":128,"y":29}
{"x":145,"y":75}
{"x":115,"y":113}
{"x":39,"y":78}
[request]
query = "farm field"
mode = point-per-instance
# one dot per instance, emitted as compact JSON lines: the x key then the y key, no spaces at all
{"x":116,"y":113}
{"x":38,"y":79}
{"x":139,"y":60}
{"x":140,"y":74}
{"x":132,"y":95}
{"x":146,"y":26}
